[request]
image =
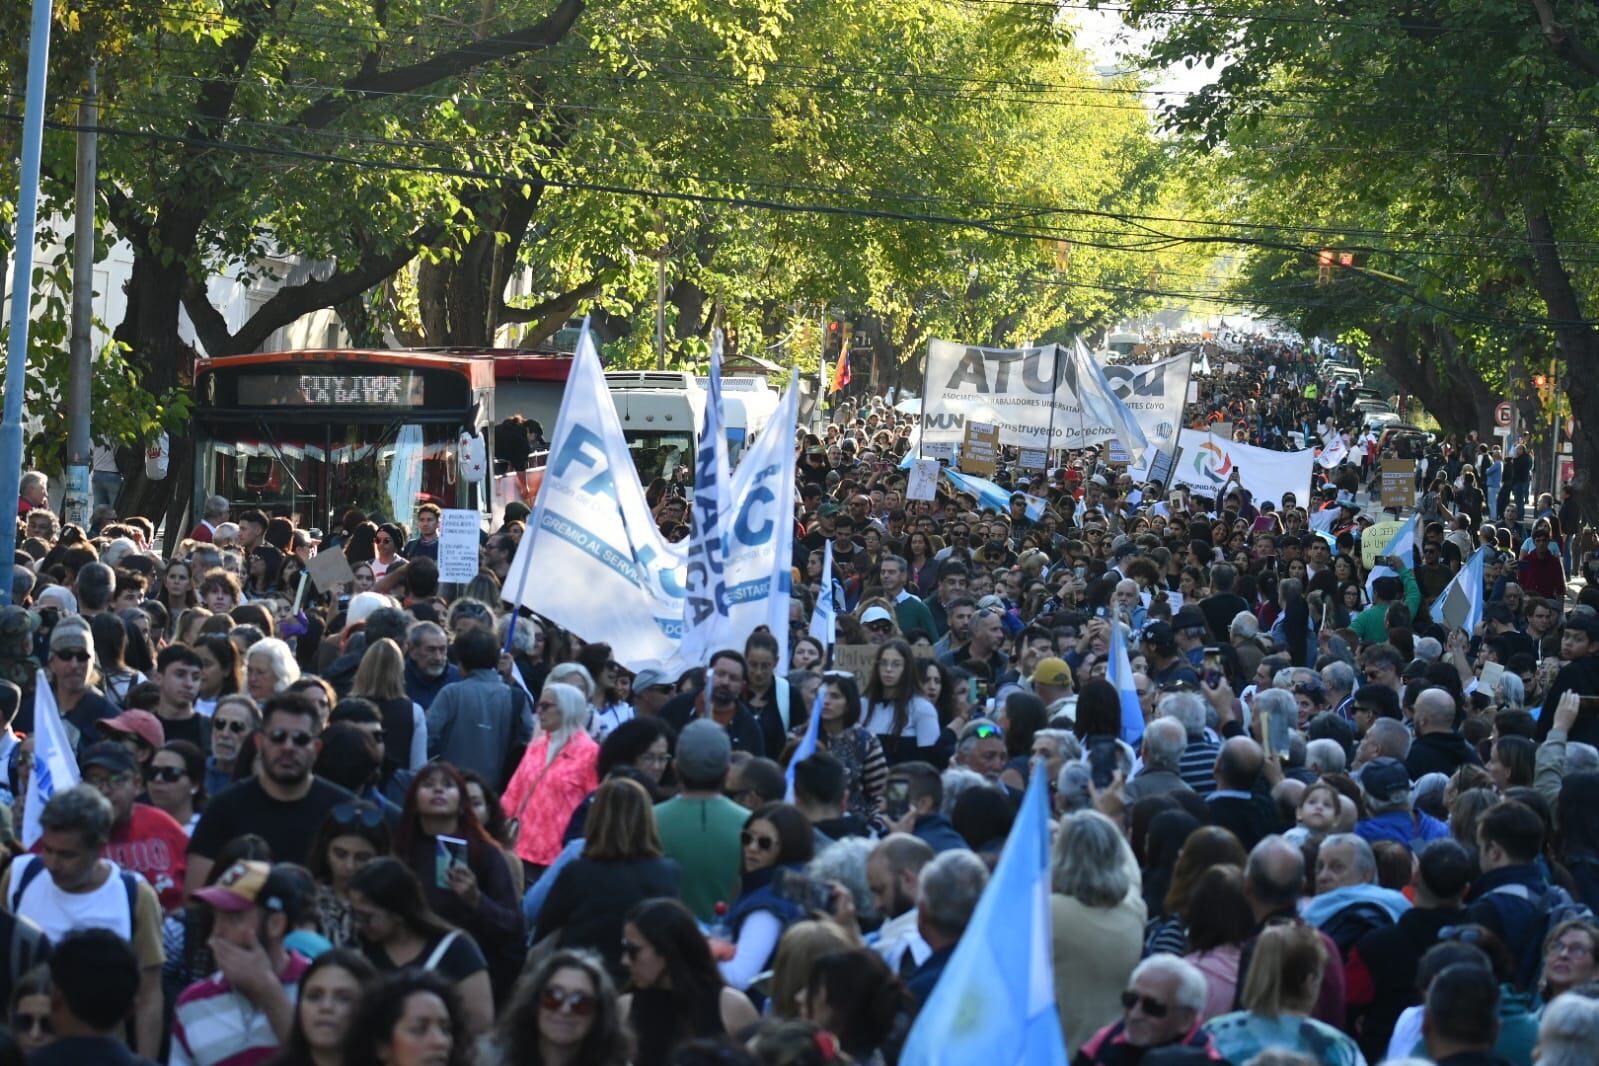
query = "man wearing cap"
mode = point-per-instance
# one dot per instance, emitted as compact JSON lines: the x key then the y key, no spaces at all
{"x":1052,"y":680}
{"x":1191,"y":630}
{"x":652,"y":689}
{"x":214,"y":514}
{"x":68,"y":885}
{"x":244,"y":1012}
{"x":1167,"y":665}
{"x":700,"y":826}
{"x":878,"y":625}
{"x":1579,"y":649}
{"x":139,"y":732}
{"x":71,"y":656}
{"x":1385,"y":785}
{"x":144,"y":839}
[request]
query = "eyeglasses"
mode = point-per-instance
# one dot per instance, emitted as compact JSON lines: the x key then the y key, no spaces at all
{"x":579,"y":1003}
{"x":1563,"y":948}
{"x":298,"y":737}
{"x":1152,"y":1007}
{"x":72,"y":655}
{"x":168,"y":774}
{"x":227,"y":726}
{"x":760,"y":843}
{"x":352,"y":812}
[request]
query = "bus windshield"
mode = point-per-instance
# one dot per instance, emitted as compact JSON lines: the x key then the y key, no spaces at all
{"x":378,"y":469}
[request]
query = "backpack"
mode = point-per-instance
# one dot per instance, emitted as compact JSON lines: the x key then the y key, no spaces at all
{"x":1347,"y":926}
{"x":1548,"y":910}
{"x":31,"y":872}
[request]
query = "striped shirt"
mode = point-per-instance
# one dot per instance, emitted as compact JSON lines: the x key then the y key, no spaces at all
{"x":1197,"y":766}
{"x":216,"y":1026}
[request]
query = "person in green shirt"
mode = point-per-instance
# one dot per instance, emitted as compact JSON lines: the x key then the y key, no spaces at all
{"x":1371,"y":625}
{"x":700,"y":827}
{"x":909,"y":611}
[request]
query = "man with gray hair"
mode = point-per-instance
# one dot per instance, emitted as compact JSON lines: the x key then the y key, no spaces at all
{"x":1568,"y":1033}
{"x":1197,"y":764}
{"x":1338,"y":678}
{"x":1274,"y":881}
{"x":1348,"y":902}
{"x":1164,"y":743}
{"x":1437,"y":749}
{"x":1386,"y":738}
{"x":1162,"y":1007}
{"x":1325,"y":756}
{"x":427,"y":661}
{"x":947,"y":891}
{"x":213,"y":514}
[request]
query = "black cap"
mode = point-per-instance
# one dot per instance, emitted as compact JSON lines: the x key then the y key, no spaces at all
{"x":109,"y":755}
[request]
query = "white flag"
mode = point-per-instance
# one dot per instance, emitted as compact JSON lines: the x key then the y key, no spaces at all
{"x":54,"y":768}
{"x":760,"y":542}
{"x":824,"y":616}
{"x":592,"y":559}
{"x":707,"y":615}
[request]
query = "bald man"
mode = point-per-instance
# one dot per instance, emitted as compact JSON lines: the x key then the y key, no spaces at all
{"x":1241,"y":802}
{"x":1274,"y":881}
{"x":1437,"y":747}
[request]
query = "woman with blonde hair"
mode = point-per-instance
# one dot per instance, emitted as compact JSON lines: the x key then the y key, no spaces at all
{"x":186,"y":625}
{"x":1280,"y":990}
{"x":381,"y":679}
{"x":802,"y":944}
{"x":557,"y":771}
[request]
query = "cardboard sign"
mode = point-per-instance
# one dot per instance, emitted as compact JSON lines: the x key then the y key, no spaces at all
{"x":857,"y":659}
{"x":458,"y":546}
{"x":328,"y":567}
{"x":923,"y":481}
{"x":1033,"y":459}
{"x":980,"y":451}
{"x":1398,"y":484}
{"x":1374,"y":540}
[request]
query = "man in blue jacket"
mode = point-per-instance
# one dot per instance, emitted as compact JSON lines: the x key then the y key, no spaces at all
{"x":1509,"y":897}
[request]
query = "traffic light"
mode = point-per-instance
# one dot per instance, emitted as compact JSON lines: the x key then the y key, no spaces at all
{"x":1324,"y":265}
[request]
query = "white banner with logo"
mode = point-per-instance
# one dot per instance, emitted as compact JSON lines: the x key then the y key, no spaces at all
{"x":760,"y":543}
{"x":707,"y":614}
{"x":1051,"y":396}
{"x":592,"y":559}
{"x":1155,"y":394}
{"x":1210,"y":462}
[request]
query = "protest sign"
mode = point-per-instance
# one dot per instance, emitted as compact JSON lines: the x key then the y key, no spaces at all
{"x":1398,"y":480}
{"x":458,"y":545}
{"x":980,"y":449}
{"x":856,"y":659}
{"x":328,"y":568}
{"x":923,"y":481}
{"x":1375,"y":539}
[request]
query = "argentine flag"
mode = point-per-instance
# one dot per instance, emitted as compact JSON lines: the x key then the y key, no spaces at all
{"x":1460,"y":604}
{"x":995,"y":1002}
{"x":1119,"y":672}
{"x":54,"y":767}
{"x":807,"y":744}
{"x":824,"y":616}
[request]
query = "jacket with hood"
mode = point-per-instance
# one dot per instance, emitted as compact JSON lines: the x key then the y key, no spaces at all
{"x":1439,"y":753}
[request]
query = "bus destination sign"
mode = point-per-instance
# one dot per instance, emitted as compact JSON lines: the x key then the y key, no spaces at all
{"x":403,"y":389}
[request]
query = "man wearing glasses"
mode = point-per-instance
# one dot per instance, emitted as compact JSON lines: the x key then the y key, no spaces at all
{"x":71,"y":656}
{"x":1163,"y":1005}
{"x":284,"y":802}
{"x":144,"y":839}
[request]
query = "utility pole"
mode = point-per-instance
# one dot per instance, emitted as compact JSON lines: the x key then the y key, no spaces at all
{"x":660,"y":310}
{"x":22,"y":280}
{"x":80,"y":445}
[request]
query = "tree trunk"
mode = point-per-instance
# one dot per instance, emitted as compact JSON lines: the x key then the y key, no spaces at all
{"x":1429,"y":363}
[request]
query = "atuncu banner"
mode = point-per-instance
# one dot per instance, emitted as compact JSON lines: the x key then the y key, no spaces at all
{"x":1038,"y":397}
{"x":1155,"y":393}
{"x":1207,"y":463}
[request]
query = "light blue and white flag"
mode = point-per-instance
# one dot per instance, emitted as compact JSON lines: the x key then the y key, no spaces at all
{"x":593,"y":560}
{"x":995,"y":1002}
{"x":1098,"y":401}
{"x":707,"y":612}
{"x":1119,"y":672}
{"x":1403,"y":542}
{"x":991,"y":496}
{"x":824,"y":616}
{"x":760,"y":541}
{"x":1459,"y":606}
{"x":54,"y":767}
{"x":807,"y":745}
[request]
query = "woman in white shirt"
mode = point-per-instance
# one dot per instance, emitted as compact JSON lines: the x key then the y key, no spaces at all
{"x":904,"y":722}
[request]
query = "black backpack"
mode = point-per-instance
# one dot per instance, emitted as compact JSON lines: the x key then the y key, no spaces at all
{"x":1347,"y":926}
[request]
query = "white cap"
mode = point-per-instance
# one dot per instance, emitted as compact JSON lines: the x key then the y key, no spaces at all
{"x":875,"y":613}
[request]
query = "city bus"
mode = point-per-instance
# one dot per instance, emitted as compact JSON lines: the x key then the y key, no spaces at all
{"x":311,"y":434}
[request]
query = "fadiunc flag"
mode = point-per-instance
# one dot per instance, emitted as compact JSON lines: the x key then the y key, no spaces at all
{"x":760,"y":541}
{"x":707,"y":615}
{"x":824,"y":616}
{"x":592,"y":560}
{"x":1119,"y":672}
{"x":995,"y":1001}
{"x":54,"y":767}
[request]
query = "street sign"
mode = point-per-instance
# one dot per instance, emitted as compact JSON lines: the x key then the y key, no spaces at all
{"x":1502,"y":413}
{"x":1398,"y":484}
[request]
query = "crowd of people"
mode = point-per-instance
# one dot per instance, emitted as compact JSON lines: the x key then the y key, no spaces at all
{"x":401,"y":823}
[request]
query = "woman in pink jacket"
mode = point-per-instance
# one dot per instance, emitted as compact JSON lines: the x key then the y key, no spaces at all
{"x":556,"y":772}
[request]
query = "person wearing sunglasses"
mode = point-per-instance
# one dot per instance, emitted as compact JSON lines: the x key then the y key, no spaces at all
{"x":175,"y":781}
{"x":776,"y":839}
{"x":1161,"y":1008}
{"x":386,"y":544}
{"x":284,"y":801}
{"x":566,"y":1011}
{"x":144,"y":839}
{"x":675,"y":991}
{"x":72,"y":669}
{"x":30,"y":1021}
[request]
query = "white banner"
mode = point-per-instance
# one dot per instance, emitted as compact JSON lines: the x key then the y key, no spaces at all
{"x":1155,"y":394}
{"x":1209,"y":462}
{"x":54,"y":767}
{"x":707,"y":614}
{"x":1052,"y":396}
{"x":592,"y":559}
{"x":760,"y":543}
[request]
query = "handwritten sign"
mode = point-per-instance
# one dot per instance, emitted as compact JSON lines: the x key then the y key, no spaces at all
{"x":923,"y":481}
{"x":857,"y":659}
{"x":980,"y":450}
{"x":1374,"y":540}
{"x":1033,"y":459}
{"x":458,"y":545}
